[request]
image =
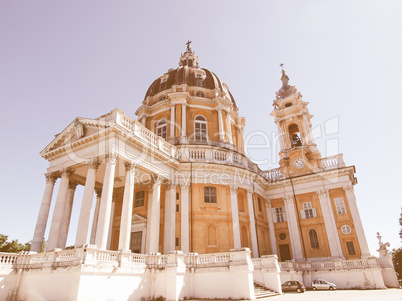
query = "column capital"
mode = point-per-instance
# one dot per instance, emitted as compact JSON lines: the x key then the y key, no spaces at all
{"x":323,"y":192}
{"x":130,"y":166}
{"x":233,"y":189}
{"x":157,"y":179}
{"x":268,"y":203}
{"x":184,"y":185}
{"x":111,"y":158}
{"x":288,"y":199}
{"x":348,"y":188}
{"x":250,"y":193}
{"x":93,"y":163}
{"x":67,"y":172}
{"x":171,"y":185}
{"x":51,"y":177}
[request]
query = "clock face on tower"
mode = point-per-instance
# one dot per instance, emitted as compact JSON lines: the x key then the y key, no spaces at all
{"x":298,"y":163}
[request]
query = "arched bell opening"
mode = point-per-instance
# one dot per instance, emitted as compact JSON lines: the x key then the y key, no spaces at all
{"x":294,"y":135}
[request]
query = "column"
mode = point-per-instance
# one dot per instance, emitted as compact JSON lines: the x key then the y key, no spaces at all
{"x":253,"y":229}
{"x":272,"y":238}
{"x":58,"y":211}
{"x":330,"y":225}
{"x":293,"y":228}
{"x":43,"y":215}
{"x":235,"y":217}
{"x":106,"y":202}
{"x":144,"y":120}
{"x":184,"y":218}
{"x":155,"y":212}
{"x":149,"y":220}
{"x":183,"y":138}
{"x":170,"y":218}
{"x":127,"y":208}
{"x":280,"y":133}
{"x":220,"y":123}
{"x":110,"y":230}
{"x":229,"y":127}
{"x":96,"y":216}
{"x":65,"y":224}
{"x":86,"y":205}
{"x":357,"y":221}
{"x":172,"y":120}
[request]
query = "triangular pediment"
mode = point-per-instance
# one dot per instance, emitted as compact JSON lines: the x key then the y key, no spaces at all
{"x":138,"y":219}
{"x":78,"y":129}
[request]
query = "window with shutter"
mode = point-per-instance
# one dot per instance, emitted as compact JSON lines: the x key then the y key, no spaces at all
{"x":340,"y":205}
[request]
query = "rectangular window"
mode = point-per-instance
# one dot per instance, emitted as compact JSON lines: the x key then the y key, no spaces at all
{"x":210,"y":195}
{"x":177,"y":196}
{"x":351,"y":248}
{"x":139,"y":199}
{"x":340,"y":205}
{"x":200,"y":131}
{"x":308,"y":211}
{"x":177,"y":208}
{"x":259,"y":204}
{"x":177,"y":241}
{"x":279,"y":214}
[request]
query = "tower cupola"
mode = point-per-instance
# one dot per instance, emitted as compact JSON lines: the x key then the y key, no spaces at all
{"x":188,"y":58}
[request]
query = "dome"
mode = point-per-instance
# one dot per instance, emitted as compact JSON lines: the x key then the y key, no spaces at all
{"x":192,"y":75}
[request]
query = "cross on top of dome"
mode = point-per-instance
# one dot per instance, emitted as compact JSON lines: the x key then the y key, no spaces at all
{"x":188,"y":45}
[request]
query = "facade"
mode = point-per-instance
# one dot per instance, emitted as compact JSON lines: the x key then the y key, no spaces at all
{"x":198,"y":192}
{"x":177,"y":182}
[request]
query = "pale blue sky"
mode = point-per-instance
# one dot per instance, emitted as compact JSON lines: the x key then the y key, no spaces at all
{"x":63,"y":59}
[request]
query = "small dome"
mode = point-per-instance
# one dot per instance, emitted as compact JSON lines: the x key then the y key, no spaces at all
{"x":190,"y":74}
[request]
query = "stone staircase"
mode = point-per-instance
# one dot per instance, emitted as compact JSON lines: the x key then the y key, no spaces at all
{"x":262,"y":292}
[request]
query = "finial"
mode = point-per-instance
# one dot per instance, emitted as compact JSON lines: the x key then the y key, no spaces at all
{"x":188,"y":45}
{"x":284,"y":78}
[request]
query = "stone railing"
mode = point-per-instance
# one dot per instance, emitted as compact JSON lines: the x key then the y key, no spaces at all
{"x":214,"y":259}
{"x":8,"y":259}
{"x":333,"y":162}
{"x":90,"y":255}
{"x":139,"y":131}
{"x":371,"y":262}
{"x":257,"y":263}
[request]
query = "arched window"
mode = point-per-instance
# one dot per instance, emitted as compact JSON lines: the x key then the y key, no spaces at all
{"x":294,"y":134}
{"x":212,"y":240}
{"x":200,"y":94}
{"x":313,"y":239}
{"x":161,"y":128}
{"x":200,"y":128}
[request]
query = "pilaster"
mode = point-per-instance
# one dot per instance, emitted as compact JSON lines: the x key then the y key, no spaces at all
{"x":350,"y":194}
{"x":330,"y":225}
{"x":293,"y":228}
{"x":235,"y":217}
{"x":185,"y":227}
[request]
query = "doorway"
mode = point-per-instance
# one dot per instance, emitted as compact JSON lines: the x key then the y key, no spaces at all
{"x":136,"y":242}
{"x":284,"y":252}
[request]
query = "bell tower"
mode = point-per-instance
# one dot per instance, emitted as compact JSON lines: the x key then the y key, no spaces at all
{"x":299,"y":153}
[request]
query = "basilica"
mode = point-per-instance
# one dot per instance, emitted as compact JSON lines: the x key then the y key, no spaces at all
{"x":173,"y":206}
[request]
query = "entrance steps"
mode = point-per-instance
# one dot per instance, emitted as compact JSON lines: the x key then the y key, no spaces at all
{"x":263,"y":292}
